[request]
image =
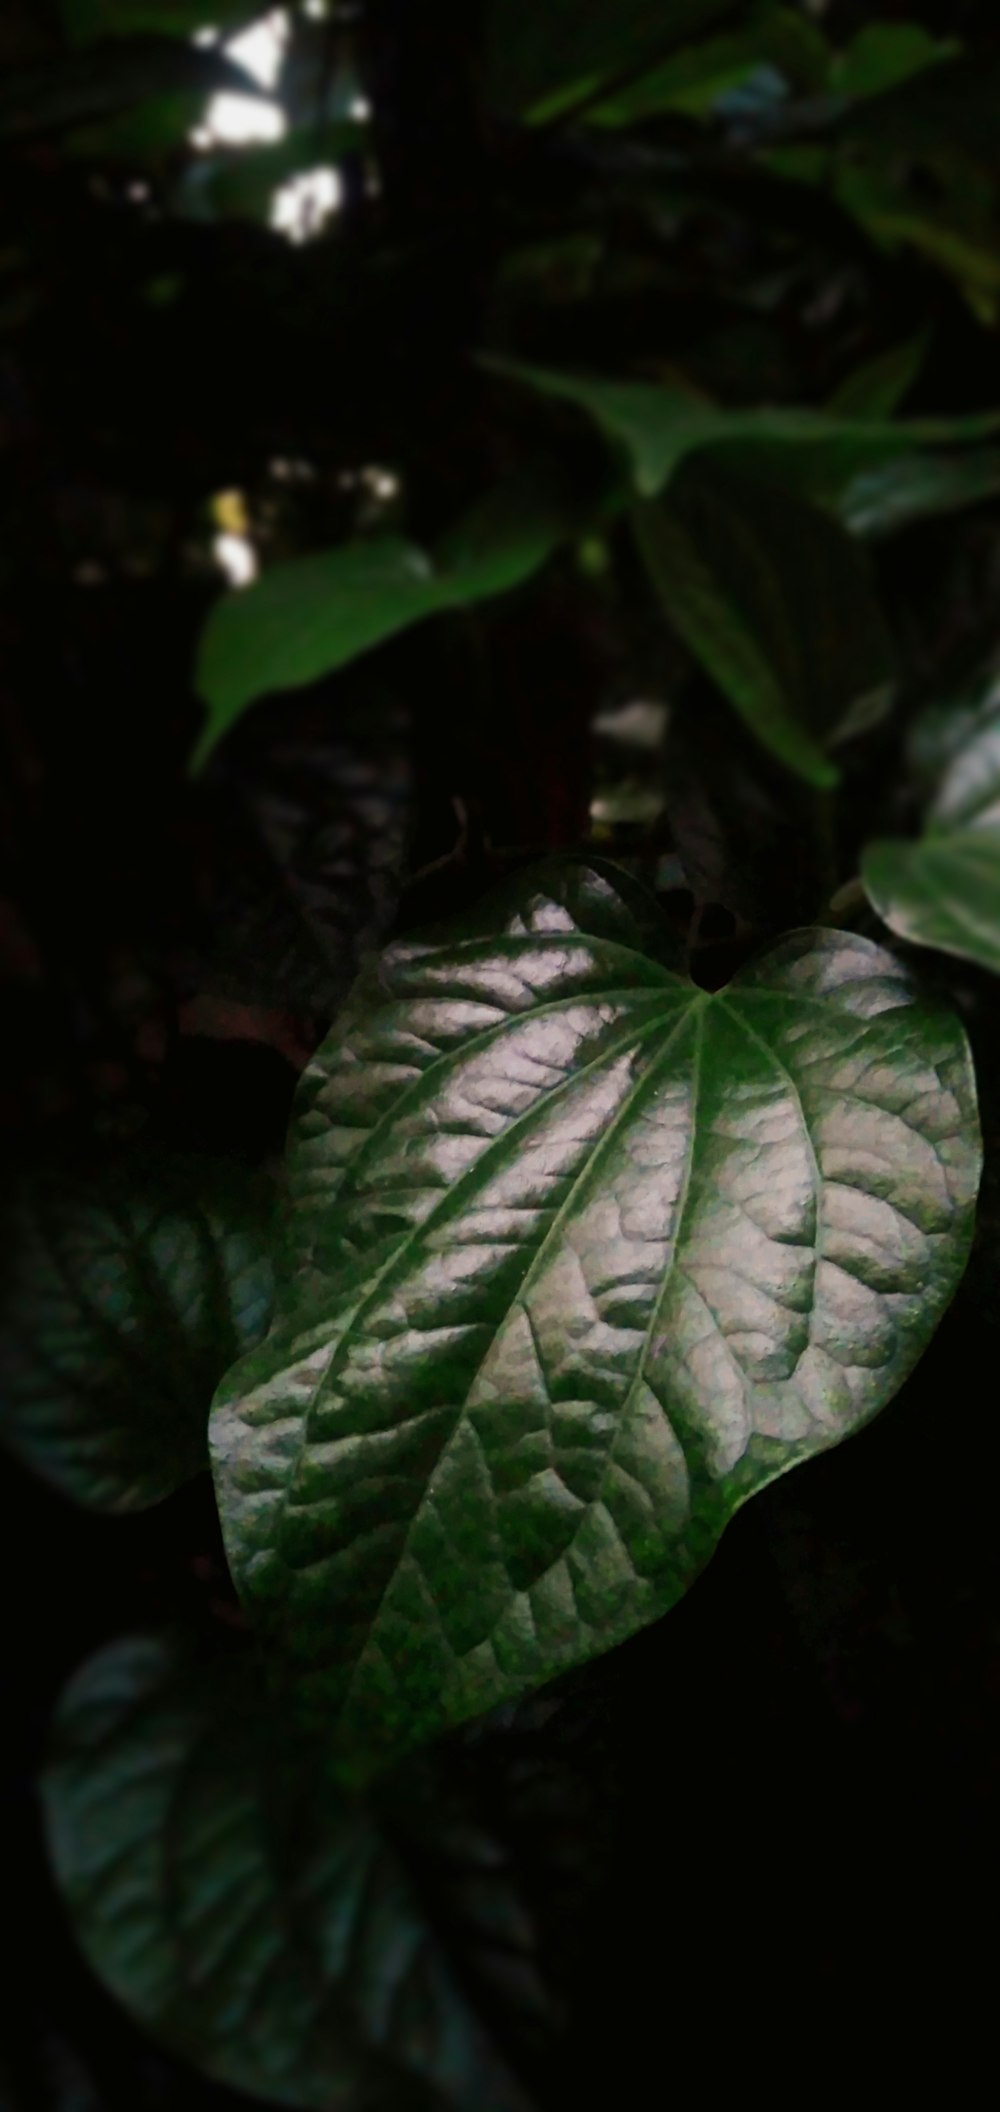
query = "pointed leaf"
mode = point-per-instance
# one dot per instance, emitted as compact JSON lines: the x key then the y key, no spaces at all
{"x":312,"y":615}
{"x":659,"y":427}
{"x":775,"y":602}
{"x":591,"y":1255}
{"x":944,"y":890}
{"x":241,"y":1909}
{"x":122,"y":1302}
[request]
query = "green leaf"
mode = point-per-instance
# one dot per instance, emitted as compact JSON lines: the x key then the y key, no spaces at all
{"x":87,"y":20}
{"x":944,"y":890}
{"x":881,"y":501}
{"x":659,"y":427}
{"x":122,"y":1302}
{"x":586,"y":1255}
{"x":312,"y":615}
{"x":246,"y":1914}
{"x":695,"y":78}
{"x":876,"y":389}
{"x":884,"y":55}
{"x":774,"y":600}
{"x":82,"y":86}
{"x":540,"y":60}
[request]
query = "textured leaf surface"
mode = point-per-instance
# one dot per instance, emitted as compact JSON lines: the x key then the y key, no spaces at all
{"x":774,"y":600}
{"x":944,"y":890}
{"x":239,"y":1907}
{"x":122,"y":1304}
{"x":659,"y":427}
{"x":312,"y":615}
{"x":587,"y":1255}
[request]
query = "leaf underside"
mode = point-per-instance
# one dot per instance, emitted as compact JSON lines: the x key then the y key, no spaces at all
{"x":586,"y":1255}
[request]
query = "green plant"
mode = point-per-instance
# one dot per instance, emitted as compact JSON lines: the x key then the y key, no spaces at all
{"x":623,"y":491}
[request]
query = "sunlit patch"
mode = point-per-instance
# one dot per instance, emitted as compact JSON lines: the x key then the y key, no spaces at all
{"x":236,"y":120}
{"x":236,"y":557}
{"x":303,"y":205}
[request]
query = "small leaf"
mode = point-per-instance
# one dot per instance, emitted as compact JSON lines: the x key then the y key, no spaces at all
{"x":586,"y":1256}
{"x":774,"y":601}
{"x":879,"y":502}
{"x":884,"y":55}
{"x":540,"y":60}
{"x":82,"y":86}
{"x":245,"y":1913}
{"x":659,"y":427}
{"x":312,"y":615}
{"x":944,"y":890}
{"x":876,"y":389}
{"x":123,"y":1301}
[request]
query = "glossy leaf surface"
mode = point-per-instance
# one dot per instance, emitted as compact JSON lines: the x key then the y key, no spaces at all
{"x":944,"y":889}
{"x":586,"y":1256}
{"x":121,"y":1304}
{"x":242,"y":1909}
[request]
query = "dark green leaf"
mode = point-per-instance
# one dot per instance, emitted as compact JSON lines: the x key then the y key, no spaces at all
{"x":123,"y":1301}
{"x":312,"y":615}
{"x":944,"y":890}
{"x":239,"y":1907}
{"x":542,"y":59}
{"x":87,"y":20}
{"x":775,"y":602}
{"x":659,"y":427}
{"x":884,"y":55}
{"x":95,"y":83}
{"x":587,"y":1256}
{"x":881,"y":501}
{"x":877,"y":389}
{"x":695,"y":78}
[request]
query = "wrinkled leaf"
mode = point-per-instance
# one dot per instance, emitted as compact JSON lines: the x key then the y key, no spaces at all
{"x":775,"y":602}
{"x":659,"y":427}
{"x":587,"y":1255}
{"x":312,"y":615}
{"x":944,"y":890}
{"x":82,"y":86}
{"x":121,"y":1304}
{"x":239,"y":1907}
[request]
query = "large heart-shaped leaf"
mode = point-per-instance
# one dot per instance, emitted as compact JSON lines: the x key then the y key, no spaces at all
{"x":122,"y":1302}
{"x":588,"y":1255}
{"x":773,"y":598}
{"x":241,"y":1908}
{"x":944,"y":889}
{"x":658,"y":427}
{"x":311,"y":615}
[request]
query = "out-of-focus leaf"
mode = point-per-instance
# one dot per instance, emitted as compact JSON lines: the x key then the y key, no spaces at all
{"x":239,"y":1907}
{"x":959,"y":235}
{"x":876,"y":389}
{"x":881,"y":501}
{"x":88,"y":20}
{"x":97,"y":82}
{"x":121,"y":1303}
{"x":944,"y":890}
{"x":312,"y":615}
{"x":311,"y":837}
{"x":884,"y":55}
{"x":695,"y":78}
{"x":542,"y":59}
{"x":775,"y":601}
{"x":659,"y":426}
